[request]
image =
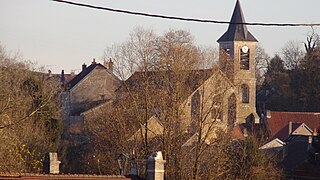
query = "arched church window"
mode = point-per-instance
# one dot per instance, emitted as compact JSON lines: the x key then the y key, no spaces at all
{"x":244,"y":58}
{"x":216,"y":113}
{"x":232,"y":110}
{"x":245,"y":93}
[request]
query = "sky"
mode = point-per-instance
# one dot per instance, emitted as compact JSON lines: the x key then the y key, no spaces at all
{"x":60,"y":36}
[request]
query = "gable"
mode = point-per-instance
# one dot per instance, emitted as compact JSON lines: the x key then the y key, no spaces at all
{"x":217,"y":83}
{"x":300,"y":129}
{"x":83,"y":74}
{"x":273,"y":144}
{"x":303,"y":130}
{"x":95,"y":83}
{"x":155,"y":128}
{"x":278,"y":120}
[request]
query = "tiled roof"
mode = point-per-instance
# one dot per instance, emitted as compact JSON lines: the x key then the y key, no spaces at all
{"x":63,"y":176}
{"x":160,"y":80}
{"x":237,"y":132}
{"x":67,"y":77}
{"x":236,"y":30}
{"x":283,"y":133}
{"x":193,"y":77}
{"x":279,"y":120}
{"x":297,"y":153}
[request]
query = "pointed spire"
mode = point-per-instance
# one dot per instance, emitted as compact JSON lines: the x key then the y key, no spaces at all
{"x":236,"y":30}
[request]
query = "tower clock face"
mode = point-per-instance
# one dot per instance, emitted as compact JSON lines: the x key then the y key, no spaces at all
{"x":244,"y":58}
{"x":244,"y":49}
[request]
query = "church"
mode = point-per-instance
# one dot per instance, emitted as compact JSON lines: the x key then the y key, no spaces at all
{"x":222,"y":97}
{"x":239,"y":44}
{"x":186,"y":107}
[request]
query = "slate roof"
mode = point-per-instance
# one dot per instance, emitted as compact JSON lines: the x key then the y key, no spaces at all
{"x":237,"y":31}
{"x":83,"y":74}
{"x":297,"y":153}
{"x":278,"y":120}
{"x":162,"y":79}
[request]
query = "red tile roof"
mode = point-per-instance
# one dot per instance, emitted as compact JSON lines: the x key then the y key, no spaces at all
{"x":279,"y":120}
{"x":237,"y":132}
{"x":28,"y":176}
{"x":283,"y":133}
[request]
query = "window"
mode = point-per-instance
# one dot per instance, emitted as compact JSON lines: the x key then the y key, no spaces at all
{"x":216,"y":113}
{"x":244,"y":59}
{"x":232,"y":110}
{"x":245,"y":93}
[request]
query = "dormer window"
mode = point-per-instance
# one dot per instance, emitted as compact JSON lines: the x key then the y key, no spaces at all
{"x":244,"y":58}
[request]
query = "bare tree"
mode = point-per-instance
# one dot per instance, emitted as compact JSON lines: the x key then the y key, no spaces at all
{"x":313,"y":41}
{"x":292,"y":54}
{"x":262,"y":61}
{"x":169,"y":69}
{"x":175,"y":101}
{"x":29,"y":115}
{"x":237,"y":159}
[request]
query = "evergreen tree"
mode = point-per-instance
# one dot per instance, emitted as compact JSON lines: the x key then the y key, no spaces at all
{"x":277,"y":83}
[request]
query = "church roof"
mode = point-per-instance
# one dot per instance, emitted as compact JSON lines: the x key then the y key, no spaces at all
{"x":162,"y":79}
{"x":237,"y":30}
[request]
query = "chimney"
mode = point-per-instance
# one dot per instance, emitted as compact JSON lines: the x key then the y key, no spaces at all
{"x":94,"y":61}
{"x":50,"y":73}
{"x":268,"y":114}
{"x":62,"y":78}
{"x":315,"y":132}
{"x":109,"y":65}
{"x":133,"y":165}
{"x":290,"y":128}
{"x":309,"y":142}
{"x":84,"y":66}
{"x":51,"y":163}
{"x":245,"y":132}
{"x":155,"y":166}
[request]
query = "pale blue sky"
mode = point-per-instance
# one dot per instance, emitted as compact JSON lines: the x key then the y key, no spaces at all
{"x":61,"y":36}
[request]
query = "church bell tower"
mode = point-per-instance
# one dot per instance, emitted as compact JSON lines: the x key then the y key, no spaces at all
{"x":237,"y":49}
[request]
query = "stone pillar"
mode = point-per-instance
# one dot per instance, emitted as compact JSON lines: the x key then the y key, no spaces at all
{"x":155,"y":166}
{"x":51,"y":163}
{"x":133,"y":165}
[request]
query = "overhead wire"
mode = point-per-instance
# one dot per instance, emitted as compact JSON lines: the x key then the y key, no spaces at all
{"x":184,"y":18}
